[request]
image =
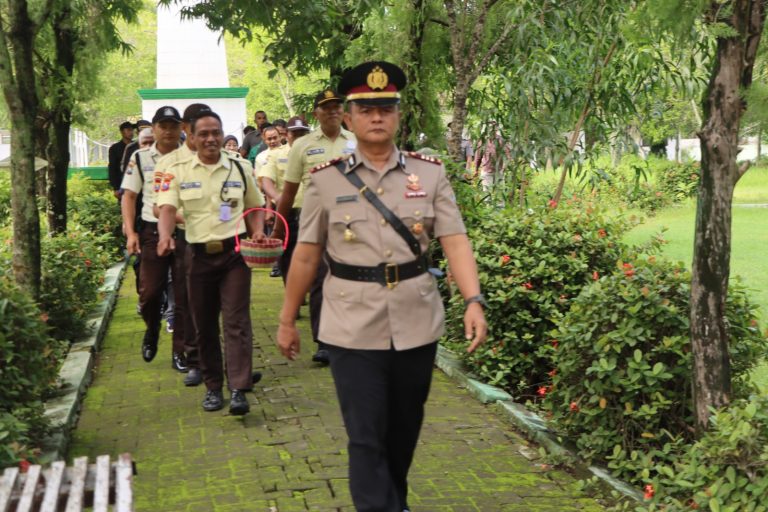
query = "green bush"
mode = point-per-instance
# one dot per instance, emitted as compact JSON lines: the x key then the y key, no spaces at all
{"x":28,"y":369}
{"x":621,"y":379}
{"x":727,"y":469}
{"x":531,"y":265}
{"x":680,"y":181}
{"x":73,"y":266}
{"x":92,"y":205}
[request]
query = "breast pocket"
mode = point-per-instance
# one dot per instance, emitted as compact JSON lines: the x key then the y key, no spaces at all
{"x":347,"y":223}
{"x":418,"y":217}
{"x":191,"y":197}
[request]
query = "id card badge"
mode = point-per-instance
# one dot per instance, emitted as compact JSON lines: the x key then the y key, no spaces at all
{"x":225,"y":212}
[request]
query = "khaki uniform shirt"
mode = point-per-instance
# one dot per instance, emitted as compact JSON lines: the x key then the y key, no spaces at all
{"x":199,"y":188}
{"x":274,"y":169}
{"x":313,"y":149}
{"x":362,"y":315}
{"x":142,"y":179}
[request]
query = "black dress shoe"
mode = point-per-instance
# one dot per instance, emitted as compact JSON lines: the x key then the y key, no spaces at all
{"x":322,"y":357}
{"x":275,"y":272}
{"x":193,"y":378}
{"x":213,"y":401}
{"x":238,"y":404}
{"x":179,"y":362}
{"x":149,"y":345}
{"x":255,"y":377}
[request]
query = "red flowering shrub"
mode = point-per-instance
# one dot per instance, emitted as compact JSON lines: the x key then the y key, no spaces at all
{"x":624,"y":358}
{"x":531,"y":265}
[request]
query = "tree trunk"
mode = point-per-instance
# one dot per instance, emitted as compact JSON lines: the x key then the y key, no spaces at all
{"x":677,"y":147}
{"x":460,"y":95}
{"x":414,"y":110}
{"x":759,"y":143}
{"x":723,"y":107}
{"x":58,"y":167}
{"x":58,"y":149}
{"x":17,"y":77}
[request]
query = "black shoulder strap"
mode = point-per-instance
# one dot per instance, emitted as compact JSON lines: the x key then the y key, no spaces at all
{"x":138,"y":165}
{"x":242,"y":174}
{"x":390,"y":217}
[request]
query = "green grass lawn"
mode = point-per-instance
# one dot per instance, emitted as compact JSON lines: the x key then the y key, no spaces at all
{"x":749,"y":240}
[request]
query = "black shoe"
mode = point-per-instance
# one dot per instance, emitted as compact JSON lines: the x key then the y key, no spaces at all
{"x":149,"y":345}
{"x":275,"y":272}
{"x":238,"y":404}
{"x":193,"y":378}
{"x":213,"y":400}
{"x":255,"y":377}
{"x":322,"y":357}
{"x":179,"y":363}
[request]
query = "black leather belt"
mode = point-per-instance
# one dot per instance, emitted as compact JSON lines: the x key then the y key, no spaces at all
{"x":214,"y":247}
{"x":386,"y":274}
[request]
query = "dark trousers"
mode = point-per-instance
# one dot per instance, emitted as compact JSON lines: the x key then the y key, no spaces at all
{"x":293,"y":235}
{"x":221,"y":283}
{"x":183,"y":328}
{"x":382,"y":395}
{"x":316,"y":300}
{"x":153,"y":277}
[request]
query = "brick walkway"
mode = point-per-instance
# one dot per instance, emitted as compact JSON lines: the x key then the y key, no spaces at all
{"x":289,"y":453}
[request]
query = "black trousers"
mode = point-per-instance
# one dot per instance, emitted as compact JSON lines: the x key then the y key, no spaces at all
{"x":382,"y":395}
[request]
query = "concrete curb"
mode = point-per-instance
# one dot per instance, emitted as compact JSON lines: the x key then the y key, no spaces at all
{"x":75,"y":372}
{"x":530,"y":424}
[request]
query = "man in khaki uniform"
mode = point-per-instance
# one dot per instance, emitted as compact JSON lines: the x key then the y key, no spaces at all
{"x":184,"y":329}
{"x":330,"y":141}
{"x":272,"y":180}
{"x":140,"y":178}
{"x":215,"y":187}
{"x":374,"y":213}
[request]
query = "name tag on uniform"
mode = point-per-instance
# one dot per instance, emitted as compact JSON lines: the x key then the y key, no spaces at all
{"x":348,"y":151}
{"x":233,"y":184}
{"x":414,"y":195}
{"x":316,"y":151}
{"x":282,"y":160}
{"x":190,"y":184}
{"x":346,"y":199}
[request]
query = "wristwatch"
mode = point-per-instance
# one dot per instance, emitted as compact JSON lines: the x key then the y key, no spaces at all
{"x":480,"y":299}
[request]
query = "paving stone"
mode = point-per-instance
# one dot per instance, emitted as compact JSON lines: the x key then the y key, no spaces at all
{"x":290,"y":452}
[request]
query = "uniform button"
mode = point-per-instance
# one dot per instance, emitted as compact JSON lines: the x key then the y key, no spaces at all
{"x":383,"y":222}
{"x":379,"y":190}
{"x":387,"y":253}
{"x":417,"y":212}
{"x":347,"y":217}
{"x":342,"y":294}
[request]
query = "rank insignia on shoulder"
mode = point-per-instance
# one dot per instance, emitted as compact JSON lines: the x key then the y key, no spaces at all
{"x":325,"y":165}
{"x":426,"y":158}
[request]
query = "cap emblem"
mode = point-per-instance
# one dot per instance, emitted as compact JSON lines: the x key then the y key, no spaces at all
{"x":168,"y":112}
{"x":328,"y":94}
{"x":377,"y":78}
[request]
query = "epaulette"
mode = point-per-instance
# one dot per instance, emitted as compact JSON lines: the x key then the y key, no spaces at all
{"x":426,"y":158}
{"x":325,"y":165}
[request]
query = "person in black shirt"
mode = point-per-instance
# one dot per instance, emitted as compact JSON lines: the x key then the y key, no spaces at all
{"x":116,"y":151}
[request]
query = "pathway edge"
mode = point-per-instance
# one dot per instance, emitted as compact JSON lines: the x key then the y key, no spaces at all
{"x":527,"y":422}
{"x":75,"y":373}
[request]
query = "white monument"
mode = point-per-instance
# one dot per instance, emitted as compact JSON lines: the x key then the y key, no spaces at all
{"x":192,"y":68}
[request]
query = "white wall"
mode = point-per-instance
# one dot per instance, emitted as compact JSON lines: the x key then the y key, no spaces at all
{"x":189,"y":55}
{"x":691,"y":148}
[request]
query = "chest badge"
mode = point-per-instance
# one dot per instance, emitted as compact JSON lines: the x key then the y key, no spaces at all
{"x":417,"y":228}
{"x":349,"y":235}
{"x":413,"y":183}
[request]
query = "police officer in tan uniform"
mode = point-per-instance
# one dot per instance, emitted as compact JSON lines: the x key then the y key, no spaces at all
{"x":330,"y":141}
{"x":140,"y":178}
{"x":272,"y":180}
{"x":214,"y":188}
{"x":374,"y":214}
{"x":184,"y":329}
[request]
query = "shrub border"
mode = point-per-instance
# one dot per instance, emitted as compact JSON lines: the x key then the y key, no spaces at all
{"x":527,"y":422}
{"x":75,"y":373}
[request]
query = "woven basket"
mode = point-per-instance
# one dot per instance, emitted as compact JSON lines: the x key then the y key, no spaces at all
{"x":262,"y":253}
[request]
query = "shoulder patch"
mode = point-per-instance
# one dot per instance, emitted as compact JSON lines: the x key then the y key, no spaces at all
{"x":325,"y":165}
{"x":426,"y":158}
